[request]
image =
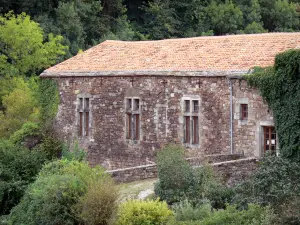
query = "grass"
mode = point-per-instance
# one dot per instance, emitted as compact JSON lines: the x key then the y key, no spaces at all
{"x":133,"y":189}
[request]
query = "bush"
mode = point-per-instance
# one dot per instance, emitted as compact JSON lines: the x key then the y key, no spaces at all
{"x":254,"y":215}
{"x":28,"y":129}
{"x":275,"y":183}
{"x":175,"y":175}
{"x":98,"y":204}
{"x":62,"y":193}
{"x":18,"y":168}
{"x":185,"y":211}
{"x":137,"y":212}
{"x":178,"y":181}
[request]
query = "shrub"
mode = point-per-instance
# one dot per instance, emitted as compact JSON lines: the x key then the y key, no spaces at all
{"x":137,"y":212}
{"x":254,"y":215}
{"x":98,"y":204}
{"x":28,"y":129}
{"x":185,"y":211}
{"x":175,"y":174}
{"x":62,"y":193}
{"x":275,"y":183}
{"x":179,"y":181}
{"x":18,"y":168}
{"x":75,"y":153}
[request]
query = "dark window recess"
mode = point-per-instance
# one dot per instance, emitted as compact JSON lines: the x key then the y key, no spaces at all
{"x":129,"y":126}
{"x":80,"y":123}
{"x":87,"y":104}
{"x":133,"y":119}
{"x":269,"y":139}
{"x":186,"y":129}
{"x":87,"y":120}
{"x":84,"y":116}
{"x":195,"y":130}
{"x":195,"y":106}
{"x":187,"y":105}
{"x":244,"y":111}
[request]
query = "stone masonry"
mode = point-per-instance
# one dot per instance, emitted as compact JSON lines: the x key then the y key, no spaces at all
{"x":161,"y":116}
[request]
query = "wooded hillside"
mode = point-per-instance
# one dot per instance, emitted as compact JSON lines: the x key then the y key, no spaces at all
{"x":84,"y":23}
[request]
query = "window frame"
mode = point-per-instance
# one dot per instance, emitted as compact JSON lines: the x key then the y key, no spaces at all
{"x":267,"y":133}
{"x":244,"y":111}
{"x":190,"y":114}
{"x":133,"y":119}
{"x":84,"y":116}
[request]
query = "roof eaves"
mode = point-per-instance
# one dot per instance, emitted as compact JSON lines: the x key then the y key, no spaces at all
{"x":203,"y":73}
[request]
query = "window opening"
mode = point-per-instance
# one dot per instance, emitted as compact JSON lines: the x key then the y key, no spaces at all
{"x":132,"y":118}
{"x":191,"y":122}
{"x":270,"y":141}
{"x":84,"y":116}
{"x":244,"y":111}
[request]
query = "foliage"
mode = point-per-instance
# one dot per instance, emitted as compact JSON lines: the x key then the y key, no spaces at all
{"x":99,"y":202}
{"x":18,"y":168}
{"x":73,"y":152}
{"x":185,"y":211}
{"x":225,"y":17}
{"x":178,"y":181}
{"x":27,"y":52}
{"x":275,"y":183}
{"x":254,"y":215}
{"x":137,"y":212}
{"x":280,"y":87}
{"x":175,"y":174}
{"x":60,"y":192}
{"x":28,"y":129}
{"x":20,"y":107}
{"x":48,"y":99}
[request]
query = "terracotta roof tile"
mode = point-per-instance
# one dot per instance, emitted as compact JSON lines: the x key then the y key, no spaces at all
{"x":218,"y":53}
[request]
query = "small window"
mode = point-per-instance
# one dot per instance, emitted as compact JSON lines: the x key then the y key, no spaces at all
{"x":84,"y":116}
{"x":269,"y":139}
{"x":132,"y":118}
{"x":244,"y":111}
{"x":195,"y":106}
{"x":187,"y":105}
{"x":191,"y":122}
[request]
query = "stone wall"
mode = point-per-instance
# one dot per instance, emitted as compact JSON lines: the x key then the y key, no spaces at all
{"x":231,"y":172}
{"x":161,"y":116}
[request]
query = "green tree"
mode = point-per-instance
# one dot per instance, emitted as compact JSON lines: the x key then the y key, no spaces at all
{"x":27,"y":52}
{"x":225,"y":18}
{"x":279,"y":15}
{"x":20,"y":107}
{"x":160,"y":20}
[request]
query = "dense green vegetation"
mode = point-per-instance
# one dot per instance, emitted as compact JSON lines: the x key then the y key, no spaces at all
{"x":280,"y":87}
{"x":86,"y":23}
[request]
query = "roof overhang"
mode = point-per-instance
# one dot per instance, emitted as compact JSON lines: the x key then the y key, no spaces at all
{"x":128,"y":73}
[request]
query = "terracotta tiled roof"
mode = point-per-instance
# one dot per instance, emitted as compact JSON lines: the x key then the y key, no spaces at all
{"x":218,"y":53}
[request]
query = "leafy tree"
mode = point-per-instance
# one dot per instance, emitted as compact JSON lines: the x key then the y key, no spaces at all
{"x":60,"y":195}
{"x":20,"y":107}
{"x":279,"y":15}
{"x":254,"y":28}
{"x":275,"y":183}
{"x":225,"y":18}
{"x":18,"y":168}
{"x":26,"y":53}
{"x":160,"y":20}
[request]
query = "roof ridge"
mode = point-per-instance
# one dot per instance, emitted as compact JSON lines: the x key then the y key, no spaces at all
{"x":204,"y":37}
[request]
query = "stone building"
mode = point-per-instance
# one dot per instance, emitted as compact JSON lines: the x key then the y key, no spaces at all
{"x":124,"y":100}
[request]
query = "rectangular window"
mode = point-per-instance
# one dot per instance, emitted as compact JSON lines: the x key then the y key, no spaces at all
{"x":191,"y":122}
{"x":195,"y":130}
{"x":186,"y":129}
{"x":84,"y":116}
{"x":244,"y":111}
{"x":132,"y":118}
{"x":195,"y":106}
{"x":269,"y":139}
